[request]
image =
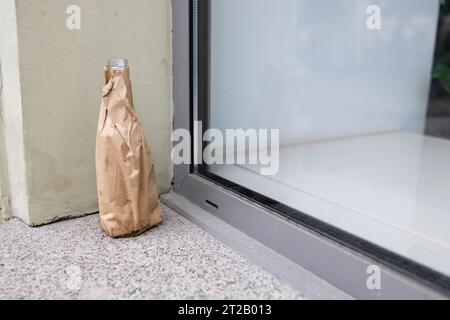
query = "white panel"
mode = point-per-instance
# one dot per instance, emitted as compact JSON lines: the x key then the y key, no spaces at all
{"x":313,"y":68}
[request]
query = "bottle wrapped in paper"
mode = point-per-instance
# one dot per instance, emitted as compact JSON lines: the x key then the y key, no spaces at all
{"x":126,"y":182}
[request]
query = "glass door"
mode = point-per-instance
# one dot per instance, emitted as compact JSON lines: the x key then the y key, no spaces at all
{"x":344,"y":104}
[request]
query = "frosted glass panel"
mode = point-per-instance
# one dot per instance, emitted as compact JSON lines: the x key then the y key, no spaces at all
{"x":314,"y":69}
{"x":365,"y":142}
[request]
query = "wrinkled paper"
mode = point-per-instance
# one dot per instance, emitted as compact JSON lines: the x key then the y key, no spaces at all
{"x":126,"y":182}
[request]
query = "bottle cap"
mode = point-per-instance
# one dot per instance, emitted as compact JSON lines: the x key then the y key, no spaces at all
{"x":118,"y":64}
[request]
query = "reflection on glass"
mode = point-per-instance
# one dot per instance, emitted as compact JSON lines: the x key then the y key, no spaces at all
{"x":438,"y":120}
{"x":363,"y":147}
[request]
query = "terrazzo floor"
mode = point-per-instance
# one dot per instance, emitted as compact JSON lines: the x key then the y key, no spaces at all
{"x":74,"y":259}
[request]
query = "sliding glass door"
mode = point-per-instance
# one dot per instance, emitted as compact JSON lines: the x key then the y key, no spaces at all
{"x":356,"y":121}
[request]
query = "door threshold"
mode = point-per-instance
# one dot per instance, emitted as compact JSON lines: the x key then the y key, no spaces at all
{"x":358,"y":274}
{"x":308,"y":285}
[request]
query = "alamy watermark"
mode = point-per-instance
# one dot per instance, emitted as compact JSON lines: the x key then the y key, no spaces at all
{"x":74,"y":278}
{"x":73,"y":21}
{"x":231,"y":146}
{"x":374,"y":279}
{"x":374,"y":18}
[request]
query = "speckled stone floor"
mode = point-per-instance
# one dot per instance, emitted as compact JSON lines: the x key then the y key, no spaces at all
{"x":74,"y":259}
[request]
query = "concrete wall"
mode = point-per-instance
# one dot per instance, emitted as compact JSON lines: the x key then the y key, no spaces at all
{"x":5,"y":210}
{"x":61,"y":79}
{"x":13,"y":174}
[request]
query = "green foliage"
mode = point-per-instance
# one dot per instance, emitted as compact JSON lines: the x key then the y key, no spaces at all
{"x":442,"y":72}
{"x":445,"y":6}
{"x":442,"y":69}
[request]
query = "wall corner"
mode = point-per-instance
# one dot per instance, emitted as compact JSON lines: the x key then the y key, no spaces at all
{"x":14,"y":192}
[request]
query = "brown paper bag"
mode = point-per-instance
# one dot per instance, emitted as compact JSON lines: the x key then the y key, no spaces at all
{"x":127,"y":189}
